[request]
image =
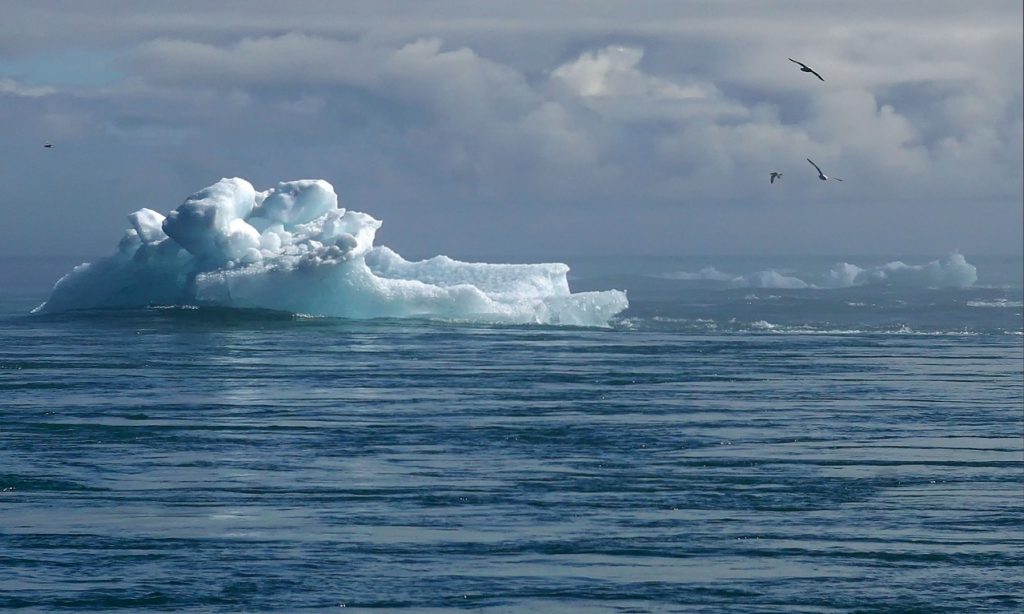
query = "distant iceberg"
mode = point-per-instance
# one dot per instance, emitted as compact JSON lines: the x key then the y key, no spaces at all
{"x":291,"y":248}
{"x":953,"y":271}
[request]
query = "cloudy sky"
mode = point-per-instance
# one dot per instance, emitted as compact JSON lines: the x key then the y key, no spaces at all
{"x":530,"y":129}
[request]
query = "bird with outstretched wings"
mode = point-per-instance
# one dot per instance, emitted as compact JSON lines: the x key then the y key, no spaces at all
{"x":806,"y":68}
{"x":822,"y":175}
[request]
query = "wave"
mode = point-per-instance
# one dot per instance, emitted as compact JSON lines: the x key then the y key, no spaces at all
{"x":292,"y":249}
{"x":1000,"y":303}
{"x":705,"y":326}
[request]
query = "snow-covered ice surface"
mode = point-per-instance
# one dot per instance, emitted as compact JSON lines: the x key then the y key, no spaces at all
{"x":291,"y":248}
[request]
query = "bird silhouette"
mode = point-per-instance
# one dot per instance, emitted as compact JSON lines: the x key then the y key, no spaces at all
{"x":48,"y":145}
{"x":775,"y":175}
{"x":822,"y":175}
{"x":806,"y":68}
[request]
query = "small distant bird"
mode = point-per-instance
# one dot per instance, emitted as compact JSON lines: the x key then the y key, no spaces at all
{"x":806,"y":68}
{"x":775,"y":176}
{"x":48,"y":145}
{"x":822,"y":175}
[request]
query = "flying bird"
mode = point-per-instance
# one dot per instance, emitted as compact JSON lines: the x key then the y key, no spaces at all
{"x":806,"y":68}
{"x":48,"y":145}
{"x":775,"y":175}
{"x":822,"y":175}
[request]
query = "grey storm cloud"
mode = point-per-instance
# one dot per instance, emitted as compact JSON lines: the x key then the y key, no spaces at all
{"x":590,"y":127}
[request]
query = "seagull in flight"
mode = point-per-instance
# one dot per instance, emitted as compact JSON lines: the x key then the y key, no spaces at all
{"x":822,"y":175}
{"x":775,"y":175}
{"x":806,"y":68}
{"x":48,"y":145}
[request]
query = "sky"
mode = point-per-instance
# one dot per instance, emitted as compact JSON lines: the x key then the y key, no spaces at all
{"x":531,"y":129}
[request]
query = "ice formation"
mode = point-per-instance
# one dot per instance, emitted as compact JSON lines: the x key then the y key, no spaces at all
{"x":769,"y":278}
{"x":291,"y":248}
{"x":953,"y":271}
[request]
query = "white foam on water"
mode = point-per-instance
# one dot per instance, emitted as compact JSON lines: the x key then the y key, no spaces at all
{"x":799,"y":329}
{"x":999,"y":303}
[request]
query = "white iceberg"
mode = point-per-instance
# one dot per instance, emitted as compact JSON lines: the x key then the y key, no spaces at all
{"x":953,"y":271}
{"x":291,"y":248}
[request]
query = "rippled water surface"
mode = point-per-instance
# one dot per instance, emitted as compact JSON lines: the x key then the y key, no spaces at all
{"x":741,"y":450}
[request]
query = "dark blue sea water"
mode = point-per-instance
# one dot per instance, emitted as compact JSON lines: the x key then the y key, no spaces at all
{"x":715,"y":450}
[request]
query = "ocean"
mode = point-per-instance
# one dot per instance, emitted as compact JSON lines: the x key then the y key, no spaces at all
{"x":730,"y":443}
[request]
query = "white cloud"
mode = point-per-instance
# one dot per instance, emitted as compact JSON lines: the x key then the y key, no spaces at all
{"x":610,"y":82}
{"x":569,"y":107}
{"x":613,"y":72}
{"x":12,"y":87}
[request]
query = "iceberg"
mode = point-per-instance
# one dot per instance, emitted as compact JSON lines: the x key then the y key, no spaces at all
{"x":953,"y":271}
{"x":292,"y":248}
{"x":769,"y":279}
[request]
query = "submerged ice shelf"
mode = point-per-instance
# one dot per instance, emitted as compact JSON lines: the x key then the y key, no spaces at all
{"x":291,"y":248}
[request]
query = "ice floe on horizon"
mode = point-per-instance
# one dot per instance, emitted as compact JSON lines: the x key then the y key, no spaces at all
{"x":292,"y":248}
{"x":953,"y":271}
